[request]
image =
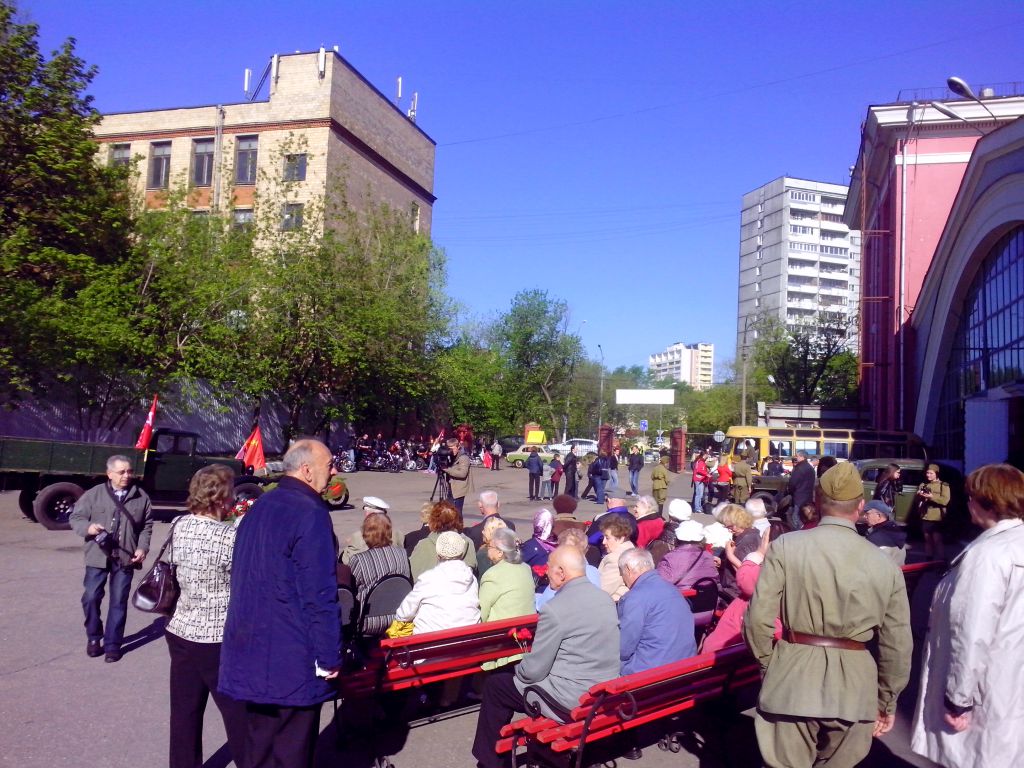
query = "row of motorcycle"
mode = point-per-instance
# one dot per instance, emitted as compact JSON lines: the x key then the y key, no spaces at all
{"x":400,"y":455}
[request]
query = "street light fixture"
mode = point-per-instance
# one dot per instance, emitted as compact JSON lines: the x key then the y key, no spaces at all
{"x":960,"y":87}
{"x":568,"y":391}
{"x":943,"y":109}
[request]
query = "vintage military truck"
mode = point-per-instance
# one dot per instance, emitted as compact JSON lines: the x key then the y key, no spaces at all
{"x":51,"y":475}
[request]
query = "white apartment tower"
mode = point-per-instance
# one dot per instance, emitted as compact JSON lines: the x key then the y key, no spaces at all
{"x":693,"y":364}
{"x":798,"y":260}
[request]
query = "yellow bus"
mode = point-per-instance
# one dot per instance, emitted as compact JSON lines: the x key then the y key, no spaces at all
{"x":760,"y":443}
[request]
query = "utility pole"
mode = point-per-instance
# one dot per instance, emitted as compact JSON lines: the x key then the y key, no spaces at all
{"x":600,"y":404}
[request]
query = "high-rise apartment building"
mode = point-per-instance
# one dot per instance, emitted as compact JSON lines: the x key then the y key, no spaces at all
{"x":693,"y":364}
{"x":799,"y":262}
{"x":323,"y":129}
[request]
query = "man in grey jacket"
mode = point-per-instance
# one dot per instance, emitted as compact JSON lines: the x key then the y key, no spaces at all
{"x":122,"y":510}
{"x":576,"y":647}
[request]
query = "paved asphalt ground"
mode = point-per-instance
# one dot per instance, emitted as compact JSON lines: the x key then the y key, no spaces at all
{"x":60,"y":708}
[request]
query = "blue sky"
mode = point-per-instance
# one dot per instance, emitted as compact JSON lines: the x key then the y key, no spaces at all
{"x":595,"y":149}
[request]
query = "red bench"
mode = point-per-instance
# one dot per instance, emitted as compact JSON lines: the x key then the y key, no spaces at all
{"x":417,"y":660}
{"x":628,"y":702}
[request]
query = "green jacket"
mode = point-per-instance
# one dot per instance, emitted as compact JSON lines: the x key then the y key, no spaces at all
{"x":659,"y":478}
{"x":424,"y":555}
{"x":829,"y":581}
{"x":934,"y":509}
{"x":742,"y":481}
{"x":506,"y":591}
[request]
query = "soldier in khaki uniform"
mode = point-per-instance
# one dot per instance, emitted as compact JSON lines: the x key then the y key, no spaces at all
{"x":932,"y":498}
{"x":659,"y":482}
{"x":824,"y":695}
{"x":742,"y":480}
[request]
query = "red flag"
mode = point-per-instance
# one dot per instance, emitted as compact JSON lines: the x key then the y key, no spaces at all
{"x":251,"y":452}
{"x":147,"y":430}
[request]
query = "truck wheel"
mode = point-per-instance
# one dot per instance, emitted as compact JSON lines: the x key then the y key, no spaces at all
{"x":54,"y":503}
{"x":25,"y":500}
{"x":248,"y":491}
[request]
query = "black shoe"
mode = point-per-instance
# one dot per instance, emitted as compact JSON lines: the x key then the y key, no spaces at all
{"x":112,"y":656}
{"x":634,"y":754}
{"x":94,"y":649}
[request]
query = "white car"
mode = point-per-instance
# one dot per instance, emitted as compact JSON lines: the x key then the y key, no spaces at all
{"x":583,"y":446}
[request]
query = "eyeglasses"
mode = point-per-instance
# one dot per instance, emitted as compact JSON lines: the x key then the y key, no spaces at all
{"x":122,"y":472}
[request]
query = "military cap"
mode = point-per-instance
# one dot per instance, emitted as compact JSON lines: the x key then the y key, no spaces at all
{"x":842,"y":482}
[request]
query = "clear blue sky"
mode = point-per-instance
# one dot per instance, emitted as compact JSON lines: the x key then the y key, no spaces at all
{"x":596,"y":149}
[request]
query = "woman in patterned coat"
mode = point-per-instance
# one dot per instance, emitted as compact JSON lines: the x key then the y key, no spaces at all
{"x":201,"y":548}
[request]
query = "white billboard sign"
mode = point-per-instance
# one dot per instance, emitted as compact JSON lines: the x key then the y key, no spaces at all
{"x":645,"y":397}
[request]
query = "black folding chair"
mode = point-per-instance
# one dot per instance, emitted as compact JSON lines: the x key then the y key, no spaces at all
{"x":349,"y":610}
{"x":703,"y":606}
{"x":381,"y":602}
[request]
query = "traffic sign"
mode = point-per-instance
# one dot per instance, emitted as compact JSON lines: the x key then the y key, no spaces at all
{"x":643,"y":425}
{"x":719,"y":436}
{"x":660,"y":440}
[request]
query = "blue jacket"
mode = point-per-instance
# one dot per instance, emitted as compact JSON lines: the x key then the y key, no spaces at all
{"x":534,"y":465}
{"x":655,"y":625}
{"x":283,"y":617}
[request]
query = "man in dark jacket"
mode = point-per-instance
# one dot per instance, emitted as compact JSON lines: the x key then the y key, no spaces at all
{"x":569,"y":468}
{"x":282,"y":637}
{"x":800,"y":488}
{"x":121,"y":509}
{"x":885,"y":534}
{"x":535,"y":468}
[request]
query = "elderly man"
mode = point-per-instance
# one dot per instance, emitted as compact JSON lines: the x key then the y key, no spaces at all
{"x":282,"y":637}
{"x":121,"y":510}
{"x":655,"y":621}
{"x":575,"y":647}
{"x":824,"y":693}
{"x":459,"y":478}
{"x":884,"y":533}
{"x":371,"y":505}
{"x":489,"y":507}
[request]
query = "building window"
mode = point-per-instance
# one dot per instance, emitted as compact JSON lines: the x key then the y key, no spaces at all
{"x":202,"y":162}
{"x":291,"y":216}
{"x":241,"y":218}
{"x":796,"y":229}
{"x":159,"y":165}
{"x":414,"y":213}
{"x":295,"y":167}
{"x":120,"y":154}
{"x":245,"y":159}
{"x":803,"y":197}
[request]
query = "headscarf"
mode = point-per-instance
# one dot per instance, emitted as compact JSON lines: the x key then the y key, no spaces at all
{"x":542,"y":523}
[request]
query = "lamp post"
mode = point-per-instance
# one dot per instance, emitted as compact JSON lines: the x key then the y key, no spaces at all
{"x":960,"y":87}
{"x":568,"y":390}
{"x":600,"y":403}
{"x":943,"y":109}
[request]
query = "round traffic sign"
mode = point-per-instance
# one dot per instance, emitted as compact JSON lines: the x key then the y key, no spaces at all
{"x":719,"y":436}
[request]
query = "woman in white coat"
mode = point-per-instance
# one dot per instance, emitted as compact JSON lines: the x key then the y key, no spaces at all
{"x":447,"y":595}
{"x":971,"y":700}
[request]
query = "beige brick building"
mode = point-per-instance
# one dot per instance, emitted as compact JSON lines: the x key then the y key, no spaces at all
{"x":324,"y":128}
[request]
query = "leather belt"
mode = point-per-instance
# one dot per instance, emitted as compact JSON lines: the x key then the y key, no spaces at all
{"x":802,"y":638}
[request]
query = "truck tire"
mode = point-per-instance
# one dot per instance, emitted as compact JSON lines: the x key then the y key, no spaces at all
{"x":248,"y":491}
{"x":25,"y":500}
{"x":54,"y":503}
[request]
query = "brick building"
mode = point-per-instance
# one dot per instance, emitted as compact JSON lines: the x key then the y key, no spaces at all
{"x":323,"y":129}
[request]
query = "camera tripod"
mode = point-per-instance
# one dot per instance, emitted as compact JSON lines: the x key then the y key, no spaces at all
{"x":442,"y":486}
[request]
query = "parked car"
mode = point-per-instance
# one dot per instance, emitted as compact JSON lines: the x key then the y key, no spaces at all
{"x":911,"y":476}
{"x":518,"y":457}
{"x":583,"y":446}
{"x":509,"y":443}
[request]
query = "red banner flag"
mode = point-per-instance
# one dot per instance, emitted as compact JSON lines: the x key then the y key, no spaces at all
{"x":147,"y":430}
{"x":251,"y":452}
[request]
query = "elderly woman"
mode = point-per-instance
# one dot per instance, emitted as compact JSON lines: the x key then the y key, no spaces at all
{"x":490,"y":527}
{"x":380,"y":559}
{"x":506,"y":590}
{"x":537,"y":549}
{"x":202,"y":546}
{"x":447,"y":595}
{"x":443,"y":517}
{"x":615,"y":530}
{"x":690,"y":560}
{"x":968,"y":709}
{"x":740,"y":524}
{"x":649,"y":522}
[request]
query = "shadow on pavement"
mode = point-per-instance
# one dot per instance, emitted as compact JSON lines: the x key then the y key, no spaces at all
{"x":144,"y":636}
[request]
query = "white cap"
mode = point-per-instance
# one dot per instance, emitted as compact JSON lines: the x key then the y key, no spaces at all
{"x":376,"y":504}
{"x":690,"y":530}
{"x":679,"y":509}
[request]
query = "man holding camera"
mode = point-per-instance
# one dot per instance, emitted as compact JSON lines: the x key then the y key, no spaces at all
{"x":458,"y":473}
{"x":116,"y":521}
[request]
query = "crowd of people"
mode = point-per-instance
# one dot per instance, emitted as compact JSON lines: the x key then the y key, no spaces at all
{"x":821,"y":605}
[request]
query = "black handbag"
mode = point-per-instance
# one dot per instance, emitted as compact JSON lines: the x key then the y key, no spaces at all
{"x":158,"y":591}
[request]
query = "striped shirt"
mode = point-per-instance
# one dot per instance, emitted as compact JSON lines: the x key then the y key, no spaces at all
{"x":371,"y":566}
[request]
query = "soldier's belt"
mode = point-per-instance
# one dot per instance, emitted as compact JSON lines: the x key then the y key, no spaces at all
{"x":802,"y":638}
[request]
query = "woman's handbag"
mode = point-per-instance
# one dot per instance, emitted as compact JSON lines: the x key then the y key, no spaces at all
{"x":158,"y":591}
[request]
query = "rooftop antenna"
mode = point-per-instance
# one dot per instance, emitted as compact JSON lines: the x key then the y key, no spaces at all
{"x":398,"y":99}
{"x":411,"y":114}
{"x":246,"y":81}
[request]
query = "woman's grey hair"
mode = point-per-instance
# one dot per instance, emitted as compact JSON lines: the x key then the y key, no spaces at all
{"x":491,"y":524}
{"x":504,"y":540}
{"x":649,"y":501}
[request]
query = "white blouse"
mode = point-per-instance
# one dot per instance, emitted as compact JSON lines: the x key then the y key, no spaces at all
{"x":202,"y":551}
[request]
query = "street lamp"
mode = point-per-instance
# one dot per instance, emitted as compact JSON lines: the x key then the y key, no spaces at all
{"x":600,"y":404}
{"x":943,"y":109}
{"x":568,"y":390}
{"x":960,"y":87}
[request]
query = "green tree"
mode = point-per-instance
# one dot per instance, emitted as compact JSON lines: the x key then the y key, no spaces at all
{"x":65,"y":220}
{"x":800,"y":358}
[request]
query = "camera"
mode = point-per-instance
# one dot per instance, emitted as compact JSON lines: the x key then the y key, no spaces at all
{"x":444,"y":457}
{"x":107,"y":542}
